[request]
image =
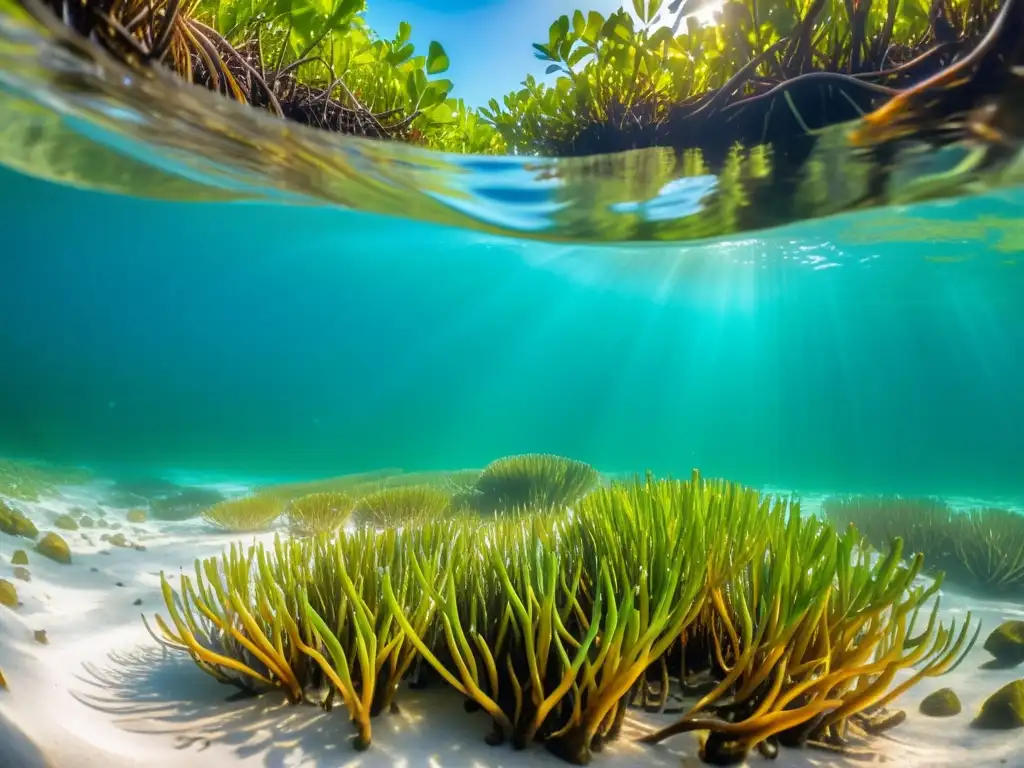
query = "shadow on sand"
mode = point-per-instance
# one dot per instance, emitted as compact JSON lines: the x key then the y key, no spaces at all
{"x":156,"y":692}
{"x":18,"y":749}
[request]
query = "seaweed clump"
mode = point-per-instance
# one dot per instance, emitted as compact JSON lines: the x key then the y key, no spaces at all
{"x":981,"y":549}
{"x":555,"y":624}
{"x":532,"y":480}
{"x":322,"y":512}
{"x":401,"y":505}
{"x":247,"y":514}
{"x":304,"y":613}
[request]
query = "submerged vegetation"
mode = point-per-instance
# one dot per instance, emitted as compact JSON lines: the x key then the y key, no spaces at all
{"x":979,"y":548}
{"x":553,"y":624}
{"x":400,"y":505}
{"x":28,"y":481}
{"x":322,"y":512}
{"x":250,"y":513}
{"x":768,"y":74}
{"x":531,"y":481}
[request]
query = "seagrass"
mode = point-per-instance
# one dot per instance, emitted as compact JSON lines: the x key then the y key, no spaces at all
{"x":552,"y":621}
{"x":982,"y":548}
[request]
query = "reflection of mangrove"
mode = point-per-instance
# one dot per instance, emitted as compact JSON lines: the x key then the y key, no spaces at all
{"x":40,"y":143}
{"x":767,"y":77}
{"x":306,"y":62}
{"x":785,"y":630}
{"x":980,"y":548}
{"x":762,"y":74}
{"x":718,"y":176}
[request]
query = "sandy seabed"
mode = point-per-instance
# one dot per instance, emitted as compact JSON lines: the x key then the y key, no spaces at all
{"x":102,"y":693}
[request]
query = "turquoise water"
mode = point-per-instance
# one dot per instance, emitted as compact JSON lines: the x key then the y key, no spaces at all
{"x":264,"y":340}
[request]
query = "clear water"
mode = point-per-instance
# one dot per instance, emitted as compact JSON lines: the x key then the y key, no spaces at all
{"x":193,"y":291}
{"x":268,"y":340}
{"x":212,"y":292}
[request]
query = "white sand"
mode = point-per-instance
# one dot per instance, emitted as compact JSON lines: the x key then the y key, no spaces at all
{"x":103,"y":694}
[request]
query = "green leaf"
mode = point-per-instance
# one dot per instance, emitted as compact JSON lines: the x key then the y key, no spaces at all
{"x":552,"y":68}
{"x":437,"y":59}
{"x":542,"y":52}
{"x":576,"y":56}
{"x":638,"y":8}
{"x":595,"y":21}
{"x":579,"y":23}
{"x":404,"y":31}
{"x":622,"y":34}
{"x":441,"y":87}
{"x":557,"y":32}
{"x":442,"y":113}
{"x":403,"y":54}
{"x":660,"y":37}
{"x":415,"y":84}
{"x":435,"y":93}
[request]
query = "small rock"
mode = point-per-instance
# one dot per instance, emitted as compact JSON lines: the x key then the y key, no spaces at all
{"x":55,"y":548}
{"x":94,"y":569}
{"x":115,"y":526}
{"x":942,"y":703}
{"x":40,"y":637}
{"x":105,"y":537}
{"x":8,"y":594}
{"x":22,"y":573}
{"x":136,"y":516}
{"x":1004,"y":709}
{"x":140,"y":547}
{"x":119,"y":584}
{"x":66,"y":523}
{"x":105,"y":552}
{"x":1006,"y":643}
{"x":118,"y":540}
{"x":20,"y":557}
{"x":101,"y":523}
{"x":87,"y":522}
{"x":138,"y":602}
{"x":14,"y":523}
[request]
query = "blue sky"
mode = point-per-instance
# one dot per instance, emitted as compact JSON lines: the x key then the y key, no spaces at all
{"x":488,"y":41}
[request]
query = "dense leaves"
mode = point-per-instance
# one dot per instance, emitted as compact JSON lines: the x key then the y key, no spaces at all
{"x":650,"y":74}
{"x":623,"y":84}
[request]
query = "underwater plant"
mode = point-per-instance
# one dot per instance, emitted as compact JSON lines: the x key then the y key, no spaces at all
{"x":264,"y":620}
{"x":28,"y":481}
{"x":246,"y":514}
{"x":341,"y":483}
{"x":532,"y":480}
{"x":980,"y":548}
{"x":807,"y":643}
{"x":554,"y":624}
{"x":400,"y":505}
{"x":321,"y":512}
